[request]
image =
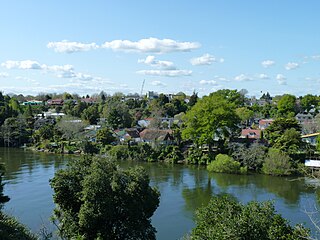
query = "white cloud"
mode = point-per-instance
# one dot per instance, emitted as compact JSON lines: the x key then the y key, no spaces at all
{"x":158,"y":83}
{"x":263,"y":76}
{"x":26,"y":64}
{"x":151,"y":60}
{"x":291,"y":65}
{"x":315,"y":57}
{"x":208,"y":82}
{"x":4,"y":75}
{"x":242,"y":77}
{"x":71,"y":47}
{"x":281,"y":79}
{"x":166,"y":73}
{"x":205,"y":59}
{"x":267,"y":63}
{"x":151,"y":45}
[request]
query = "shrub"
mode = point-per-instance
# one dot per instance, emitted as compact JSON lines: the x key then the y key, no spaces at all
{"x":10,"y":229}
{"x":277,"y":163}
{"x":225,"y":218}
{"x":225,"y":164}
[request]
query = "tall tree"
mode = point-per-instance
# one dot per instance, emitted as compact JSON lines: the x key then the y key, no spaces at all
{"x":287,"y":106}
{"x":277,"y":129}
{"x":211,"y":117}
{"x":96,"y":199}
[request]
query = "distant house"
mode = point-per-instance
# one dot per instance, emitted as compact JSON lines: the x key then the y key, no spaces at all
{"x":251,"y":133}
{"x":55,"y":102}
{"x":89,"y":101}
{"x":129,"y":134}
{"x":157,"y":136}
{"x":145,"y":122}
{"x":264,"y":123}
{"x":304,"y":118}
{"x":32,"y":102}
{"x":310,"y":138}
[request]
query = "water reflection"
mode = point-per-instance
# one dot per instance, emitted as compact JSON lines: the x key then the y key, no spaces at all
{"x":19,"y":161}
{"x":183,"y":189}
{"x":286,"y":188}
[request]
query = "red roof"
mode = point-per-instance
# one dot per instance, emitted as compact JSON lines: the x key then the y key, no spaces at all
{"x":251,"y":133}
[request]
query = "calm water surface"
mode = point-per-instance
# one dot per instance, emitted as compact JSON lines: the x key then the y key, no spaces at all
{"x":183,"y":189}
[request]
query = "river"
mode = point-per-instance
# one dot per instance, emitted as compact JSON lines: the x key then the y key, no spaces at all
{"x":182,"y":188}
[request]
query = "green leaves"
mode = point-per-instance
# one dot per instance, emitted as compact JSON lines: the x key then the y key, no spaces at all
{"x":97,"y":199}
{"x":225,"y":218}
{"x":212,"y":116}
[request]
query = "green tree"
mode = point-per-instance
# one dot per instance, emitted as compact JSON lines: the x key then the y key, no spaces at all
{"x":251,"y":157}
{"x":290,"y":141}
{"x":277,"y":163}
{"x":96,"y":199}
{"x":278,"y":127}
{"x":117,"y":115}
{"x":244,"y":114}
{"x":70,"y":127}
{"x":308,"y":101}
{"x":225,"y":218}
{"x":105,"y":136}
{"x":211,"y":117}
{"x":287,"y":106}
{"x":91,"y":114}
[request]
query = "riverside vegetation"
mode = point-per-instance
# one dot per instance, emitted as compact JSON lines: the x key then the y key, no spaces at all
{"x":205,"y":132}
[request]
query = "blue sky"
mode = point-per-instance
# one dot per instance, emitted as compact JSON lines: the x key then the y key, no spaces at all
{"x":112,"y":46}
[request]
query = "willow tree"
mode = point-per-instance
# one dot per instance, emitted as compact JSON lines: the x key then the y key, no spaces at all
{"x":212,"y":117}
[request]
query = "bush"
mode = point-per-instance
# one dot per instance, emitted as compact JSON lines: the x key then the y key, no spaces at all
{"x":225,"y":164}
{"x":11,"y":229}
{"x":277,"y":163}
{"x":225,"y":218}
{"x":119,"y":152}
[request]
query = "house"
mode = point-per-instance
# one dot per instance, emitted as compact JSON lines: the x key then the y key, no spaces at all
{"x":32,"y":102}
{"x":157,"y":136}
{"x":251,"y":133}
{"x":310,"y":138}
{"x":89,"y":101}
{"x":304,"y":118}
{"x":145,"y":122}
{"x":55,"y":102}
{"x":264,"y":123}
{"x":129,"y":134}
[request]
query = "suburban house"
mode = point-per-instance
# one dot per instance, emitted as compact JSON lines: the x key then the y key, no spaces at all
{"x":129,"y":134}
{"x":304,"y":118}
{"x":264,"y":123}
{"x":251,"y":133}
{"x":89,"y":101}
{"x":32,"y":102}
{"x":157,"y":136}
{"x":55,"y":102}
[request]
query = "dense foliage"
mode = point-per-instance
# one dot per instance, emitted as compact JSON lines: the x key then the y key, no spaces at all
{"x":225,"y":164}
{"x":212,"y":117}
{"x":98,"y":200}
{"x":225,"y":218}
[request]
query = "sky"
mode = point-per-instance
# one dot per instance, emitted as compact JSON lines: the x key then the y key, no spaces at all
{"x":86,"y":47}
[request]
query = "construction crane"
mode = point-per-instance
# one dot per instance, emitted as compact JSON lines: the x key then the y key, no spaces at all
{"x":142,"y":87}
